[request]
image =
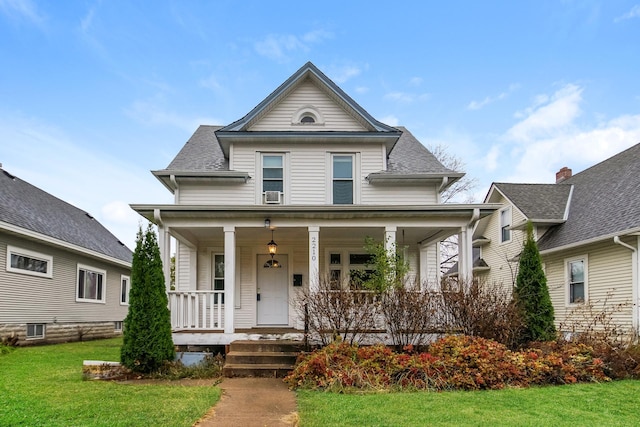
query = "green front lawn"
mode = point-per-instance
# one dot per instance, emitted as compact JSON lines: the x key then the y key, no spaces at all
{"x":605,"y":404}
{"x":44,"y":386}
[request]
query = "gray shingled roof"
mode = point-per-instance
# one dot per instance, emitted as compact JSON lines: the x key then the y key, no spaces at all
{"x":605,"y":201}
{"x":28,"y":207}
{"x":537,"y":201}
{"x":409,"y":156}
{"x":201,"y":153}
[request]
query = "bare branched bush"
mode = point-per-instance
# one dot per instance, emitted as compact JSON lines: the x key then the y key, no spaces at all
{"x":595,"y":320}
{"x":337,"y":311}
{"x":410,"y":316}
{"x":480,"y":310}
{"x":595,"y":324}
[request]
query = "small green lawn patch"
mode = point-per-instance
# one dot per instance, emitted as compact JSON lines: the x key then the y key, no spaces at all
{"x":44,"y":386}
{"x":610,"y":404}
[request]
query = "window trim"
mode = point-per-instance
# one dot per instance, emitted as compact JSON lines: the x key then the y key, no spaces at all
{"x":503,"y":227}
{"x":128,"y":286}
{"x":118,"y":326}
{"x":355,"y":173}
{"x":345,"y":267}
{"x":567,"y":280}
{"x":13,"y":250}
{"x":104,"y":283}
{"x":36,"y":336}
{"x":284,"y":194}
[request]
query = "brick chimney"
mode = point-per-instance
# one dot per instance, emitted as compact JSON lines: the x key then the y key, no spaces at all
{"x":563,"y":174}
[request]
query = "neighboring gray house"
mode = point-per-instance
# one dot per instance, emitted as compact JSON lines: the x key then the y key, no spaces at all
{"x":588,"y":231}
{"x":310,"y":169}
{"x":64,"y":277}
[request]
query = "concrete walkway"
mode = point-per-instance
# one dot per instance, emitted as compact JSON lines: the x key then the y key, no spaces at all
{"x":253,"y":402}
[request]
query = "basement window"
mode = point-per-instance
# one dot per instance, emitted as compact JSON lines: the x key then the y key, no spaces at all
{"x":35,"y":331}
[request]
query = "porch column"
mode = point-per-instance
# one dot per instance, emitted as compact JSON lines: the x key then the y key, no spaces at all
{"x":390,"y":238}
{"x":229,"y":277}
{"x":164,"y":244}
{"x":424,"y":267}
{"x":465,"y":254}
{"x":314,"y":259}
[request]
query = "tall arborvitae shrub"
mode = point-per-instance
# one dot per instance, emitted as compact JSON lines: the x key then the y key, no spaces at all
{"x":532,"y":294}
{"x":147,"y":342}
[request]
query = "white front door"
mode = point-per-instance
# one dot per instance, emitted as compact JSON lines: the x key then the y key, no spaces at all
{"x":273,"y":291}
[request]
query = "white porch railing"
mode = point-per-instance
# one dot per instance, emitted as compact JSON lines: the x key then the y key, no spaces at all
{"x":197,"y":310}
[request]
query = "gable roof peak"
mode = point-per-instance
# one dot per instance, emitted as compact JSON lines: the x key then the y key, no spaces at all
{"x":309,"y":71}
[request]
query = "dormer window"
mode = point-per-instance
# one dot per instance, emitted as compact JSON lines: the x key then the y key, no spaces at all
{"x":308,"y":118}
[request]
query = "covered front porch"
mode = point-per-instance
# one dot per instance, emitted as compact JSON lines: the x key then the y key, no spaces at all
{"x":229,"y":287}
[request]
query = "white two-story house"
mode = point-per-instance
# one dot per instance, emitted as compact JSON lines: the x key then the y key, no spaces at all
{"x":276,"y":201}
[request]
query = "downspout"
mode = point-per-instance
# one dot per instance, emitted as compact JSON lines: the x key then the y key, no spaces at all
{"x":467,"y":248}
{"x":634,"y":279}
{"x":176,"y":192}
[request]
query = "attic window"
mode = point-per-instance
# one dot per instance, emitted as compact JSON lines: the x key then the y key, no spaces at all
{"x":307,"y":115}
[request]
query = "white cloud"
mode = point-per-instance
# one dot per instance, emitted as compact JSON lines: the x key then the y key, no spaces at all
{"x":633,"y":13}
{"x":549,"y":137}
{"x":549,"y":117}
{"x":476,"y":105}
{"x":22,"y":9}
{"x":407,"y":98}
{"x":362,"y":89}
{"x":211,"y":82}
{"x":152,"y":112}
{"x":278,"y":46}
{"x":87,"y":21}
{"x":415,"y":81}
{"x":390,"y":120}
{"x":491,"y":159}
{"x":343,"y":74}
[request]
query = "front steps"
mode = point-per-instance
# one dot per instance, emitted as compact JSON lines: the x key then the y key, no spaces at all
{"x":261,"y":358}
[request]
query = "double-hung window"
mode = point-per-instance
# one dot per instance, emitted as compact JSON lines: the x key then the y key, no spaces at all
{"x":218,"y":276}
{"x":505,"y":223}
{"x":91,"y":284}
{"x":29,"y":262}
{"x":272,"y":177}
{"x":342,"y":179}
{"x":577,"y":280}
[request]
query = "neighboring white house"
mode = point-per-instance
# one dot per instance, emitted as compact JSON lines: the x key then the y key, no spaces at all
{"x":64,"y":277}
{"x":312,"y":171}
{"x":588,"y":232}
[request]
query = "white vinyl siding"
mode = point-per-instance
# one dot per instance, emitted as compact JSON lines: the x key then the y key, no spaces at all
{"x":609,"y":276}
{"x":280,"y":117}
{"x":497,"y":254}
{"x":308,"y":178}
{"x":31,"y":299}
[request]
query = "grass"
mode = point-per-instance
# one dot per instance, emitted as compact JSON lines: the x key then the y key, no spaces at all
{"x":44,"y":386}
{"x":610,"y":404}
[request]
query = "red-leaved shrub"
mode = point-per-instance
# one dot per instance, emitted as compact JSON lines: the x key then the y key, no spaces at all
{"x":456,"y":362}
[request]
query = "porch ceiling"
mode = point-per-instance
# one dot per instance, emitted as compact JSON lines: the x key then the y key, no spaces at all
{"x":283,"y":235}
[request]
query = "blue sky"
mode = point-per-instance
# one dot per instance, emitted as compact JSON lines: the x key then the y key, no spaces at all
{"x":95,"y":94}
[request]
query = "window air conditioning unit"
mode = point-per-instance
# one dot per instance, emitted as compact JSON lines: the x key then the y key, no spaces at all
{"x":272,"y":197}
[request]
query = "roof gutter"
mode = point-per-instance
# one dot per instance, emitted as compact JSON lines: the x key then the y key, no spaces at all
{"x":617,"y":241}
